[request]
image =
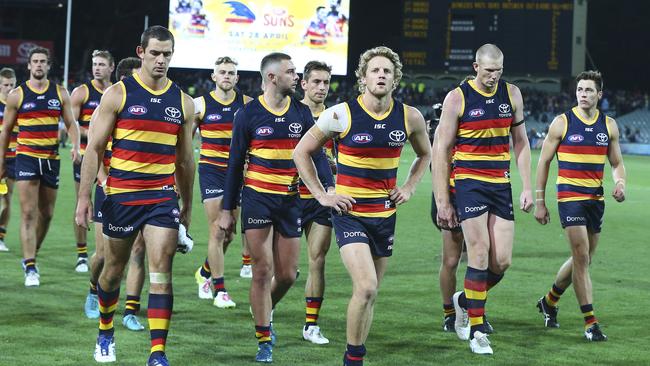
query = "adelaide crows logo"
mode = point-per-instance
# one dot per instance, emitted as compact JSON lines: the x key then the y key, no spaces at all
{"x":240,"y":13}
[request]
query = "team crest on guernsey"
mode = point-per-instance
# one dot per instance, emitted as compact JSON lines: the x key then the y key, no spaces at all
{"x":137,"y":110}
{"x":213,"y":117}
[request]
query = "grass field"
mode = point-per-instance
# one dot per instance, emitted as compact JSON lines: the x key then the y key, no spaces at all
{"x":46,"y":325}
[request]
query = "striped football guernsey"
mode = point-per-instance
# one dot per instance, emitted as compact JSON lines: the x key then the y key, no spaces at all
{"x":38,"y":121}
{"x":215,"y":124}
{"x":93,"y":96}
{"x":143,"y":157}
{"x":368,"y":157}
{"x":482,"y":150}
{"x":269,"y":137}
{"x":581,"y":157}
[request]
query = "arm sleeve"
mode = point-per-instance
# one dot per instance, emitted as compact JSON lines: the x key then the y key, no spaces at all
{"x":238,"y":149}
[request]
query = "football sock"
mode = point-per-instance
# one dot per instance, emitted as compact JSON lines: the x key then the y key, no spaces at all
{"x":476,"y":293}
{"x":312,"y":309}
{"x":553,"y":296}
{"x":159,"y":312}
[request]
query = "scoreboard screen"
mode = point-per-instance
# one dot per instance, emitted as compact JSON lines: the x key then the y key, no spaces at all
{"x":442,"y":36}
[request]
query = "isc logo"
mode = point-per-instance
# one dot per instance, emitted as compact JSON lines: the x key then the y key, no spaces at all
{"x":264,"y":131}
{"x":362,"y":138}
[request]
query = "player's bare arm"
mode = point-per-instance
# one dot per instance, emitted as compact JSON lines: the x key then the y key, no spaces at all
{"x":77,"y":98}
{"x":616,"y":160}
{"x":310,"y":144}
{"x":185,"y":162}
{"x":419,"y":138}
{"x":70,"y":123}
{"x":521,"y":146}
{"x":444,"y":141}
{"x":9,"y":120}
{"x":549,"y":148}
{"x":101,"y":128}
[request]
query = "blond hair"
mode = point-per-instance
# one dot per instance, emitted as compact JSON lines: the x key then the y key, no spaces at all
{"x":382,"y":51}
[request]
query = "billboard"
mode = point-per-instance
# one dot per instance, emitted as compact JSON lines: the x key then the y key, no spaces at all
{"x":16,"y":51}
{"x":248,"y":30}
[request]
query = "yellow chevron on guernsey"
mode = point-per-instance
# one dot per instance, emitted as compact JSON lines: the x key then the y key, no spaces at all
{"x":275,"y":154}
{"x":214,"y":154}
{"x":216,"y":134}
{"x":470,"y":156}
{"x":113,"y":190}
{"x":582,"y":182}
{"x":142,"y":167}
{"x":384,"y":214}
{"x":488,"y":132}
{"x":272,"y":178}
{"x":146,"y":136}
{"x":482,"y":178}
{"x":37,"y":121}
{"x":582,"y":158}
{"x":38,"y":142}
{"x":361,"y":192}
{"x":368,"y":163}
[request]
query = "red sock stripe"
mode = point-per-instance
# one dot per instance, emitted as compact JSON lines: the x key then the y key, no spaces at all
{"x":159,"y":313}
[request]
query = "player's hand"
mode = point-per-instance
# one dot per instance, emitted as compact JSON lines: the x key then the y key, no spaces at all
{"x":400,"y":195}
{"x":339,"y":202}
{"x":228,"y":223}
{"x":74,"y":155}
{"x":447,"y":218}
{"x":619,"y":192}
{"x":84,"y":213}
{"x":526,"y":200}
{"x":541,"y":213}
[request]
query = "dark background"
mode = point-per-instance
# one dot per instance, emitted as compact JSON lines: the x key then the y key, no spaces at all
{"x":617,"y":33}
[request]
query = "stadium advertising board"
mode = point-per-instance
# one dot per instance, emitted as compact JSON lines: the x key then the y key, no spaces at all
{"x":249,"y":29}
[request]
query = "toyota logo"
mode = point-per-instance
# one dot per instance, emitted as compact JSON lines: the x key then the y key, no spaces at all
{"x":173,"y":112}
{"x":54,"y":103}
{"x":504,"y":108}
{"x":24,"y":48}
{"x":295,"y":127}
{"x":602,"y":137}
{"x":397,"y":135}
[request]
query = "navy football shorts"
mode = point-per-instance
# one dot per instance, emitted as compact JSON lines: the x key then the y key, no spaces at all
{"x":31,"y":168}
{"x":587,"y":213}
{"x":122,"y":221}
{"x":474,"y":198}
{"x":260,"y":210}
{"x":377,"y":232}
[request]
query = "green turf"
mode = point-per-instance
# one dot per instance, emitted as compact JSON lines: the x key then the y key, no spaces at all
{"x":46,"y":325}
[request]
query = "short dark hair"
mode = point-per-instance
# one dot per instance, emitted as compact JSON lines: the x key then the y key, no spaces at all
{"x":271,"y":58}
{"x":156,"y":32}
{"x":315,"y":66}
{"x":7,"y":73}
{"x":104,"y":54}
{"x":41,"y":50}
{"x":591,"y":75}
{"x":125,"y":67}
